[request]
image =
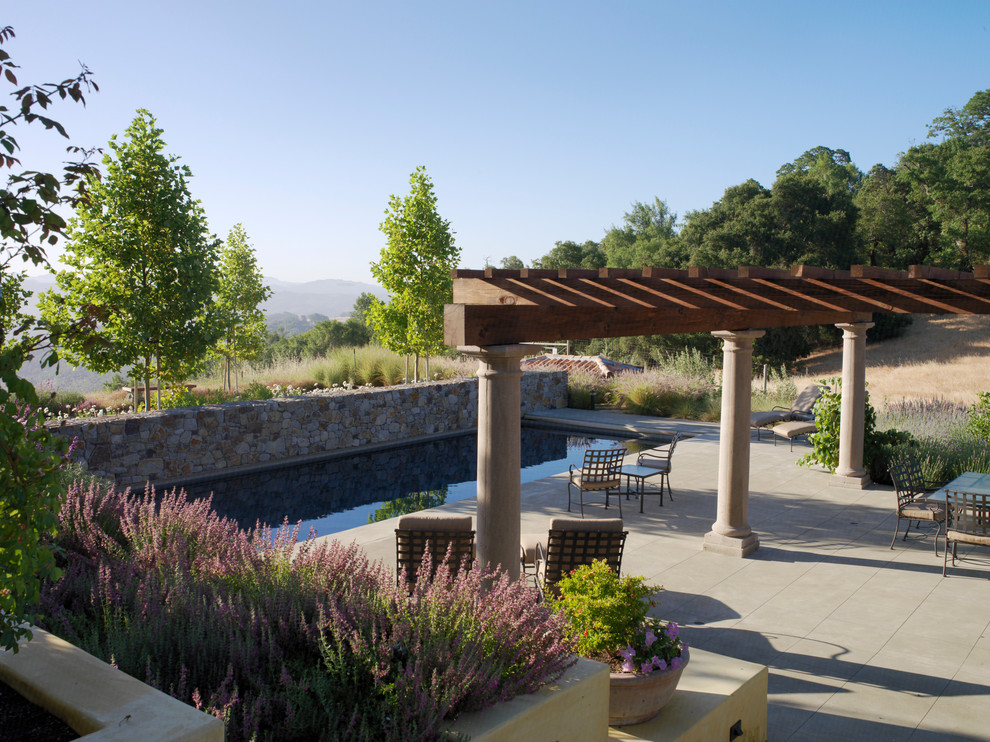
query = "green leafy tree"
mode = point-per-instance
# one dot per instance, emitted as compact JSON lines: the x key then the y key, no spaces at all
{"x":895,"y":228}
{"x":512,"y":263}
{"x":30,"y":495}
{"x":415,"y":269}
{"x":240,"y":290}
{"x":568,"y":254}
{"x":952,"y":178}
{"x":142,"y":268}
{"x":647,"y":238}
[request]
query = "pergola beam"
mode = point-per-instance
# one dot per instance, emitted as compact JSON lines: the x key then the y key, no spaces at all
{"x":472,"y":324}
{"x":496,"y":307}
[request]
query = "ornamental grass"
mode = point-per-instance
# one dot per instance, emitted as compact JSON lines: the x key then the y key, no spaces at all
{"x":286,"y":640}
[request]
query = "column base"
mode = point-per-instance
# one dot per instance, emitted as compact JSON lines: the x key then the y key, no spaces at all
{"x":729,"y":545}
{"x":851,"y":481}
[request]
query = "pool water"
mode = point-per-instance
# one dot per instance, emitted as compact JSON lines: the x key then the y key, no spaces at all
{"x":338,"y":493}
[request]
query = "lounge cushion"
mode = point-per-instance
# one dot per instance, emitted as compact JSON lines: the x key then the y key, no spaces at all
{"x":770,"y":417}
{"x":420,"y":522}
{"x":586,"y":524}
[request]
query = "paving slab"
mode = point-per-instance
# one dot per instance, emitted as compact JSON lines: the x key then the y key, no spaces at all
{"x":863,"y":642}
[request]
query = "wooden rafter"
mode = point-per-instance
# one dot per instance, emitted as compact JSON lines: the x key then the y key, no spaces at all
{"x":502,"y":307}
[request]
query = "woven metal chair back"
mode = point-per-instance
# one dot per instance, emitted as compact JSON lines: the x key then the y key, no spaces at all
{"x":664,"y":454}
{"x":411,"y":544}
{"x":909,"y":481}
{"x":602,"y":465}
{"x":568,"y":550}
{"x":968,"y":514}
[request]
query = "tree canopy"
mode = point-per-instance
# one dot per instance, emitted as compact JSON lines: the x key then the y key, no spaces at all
{"x":141,"y":266}
{"x":414,"y":268}
{"x":932,"y":207}
{"x":30,"y":456}
{"x":240,"y":292}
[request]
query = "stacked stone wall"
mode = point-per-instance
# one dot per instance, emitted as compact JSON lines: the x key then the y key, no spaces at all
{"x":194,"y":441}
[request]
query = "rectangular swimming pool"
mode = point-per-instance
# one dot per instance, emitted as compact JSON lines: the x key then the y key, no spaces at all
{"x":343,"y":492}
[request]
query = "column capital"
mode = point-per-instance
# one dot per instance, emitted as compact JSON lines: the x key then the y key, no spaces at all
{"x":854,"y":329}
{"x":495,"y":352}
{"x":734,"y":340}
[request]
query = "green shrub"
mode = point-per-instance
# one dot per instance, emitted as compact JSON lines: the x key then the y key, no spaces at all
{"x":603,"y":609}
{"x":878,"y":445}
{"x":581,"y":385}
{"x":941,"y":437}
{"x":979,"y":417}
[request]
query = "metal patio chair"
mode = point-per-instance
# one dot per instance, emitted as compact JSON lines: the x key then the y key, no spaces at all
{"x":660,"y":458}
{"x":911,"y":488}
{"x":600,"y":472}
{"x":571,"y":543}
{"x":967,"y":522}
{"x":438,"y":533}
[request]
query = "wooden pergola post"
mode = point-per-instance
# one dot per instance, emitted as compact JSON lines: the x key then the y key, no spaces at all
{"x":731,"y":534}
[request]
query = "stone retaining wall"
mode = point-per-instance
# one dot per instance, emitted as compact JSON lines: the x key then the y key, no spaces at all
{"x":193,"y":441}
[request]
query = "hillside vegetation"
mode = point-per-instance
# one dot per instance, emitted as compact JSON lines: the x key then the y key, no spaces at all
{"x":938,"y":357}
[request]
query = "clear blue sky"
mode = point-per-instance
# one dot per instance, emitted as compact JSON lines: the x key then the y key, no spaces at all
{"x":537,"y":121}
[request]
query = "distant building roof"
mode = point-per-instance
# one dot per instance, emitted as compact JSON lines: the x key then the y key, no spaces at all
{"x":591,"y":364}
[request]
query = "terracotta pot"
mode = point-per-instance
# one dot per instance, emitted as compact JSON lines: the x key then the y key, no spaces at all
{"x":635,"y":698}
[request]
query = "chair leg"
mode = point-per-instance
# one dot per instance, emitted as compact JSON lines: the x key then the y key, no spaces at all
{"x":937,"y":532}
{"x":568,"y":497}
{"x":897,"y":527}
{"x":907,"y":530}
{"x":945,"y":553}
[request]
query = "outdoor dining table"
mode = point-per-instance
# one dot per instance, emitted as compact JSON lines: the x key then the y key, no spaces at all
{"x":640,"y":474}
{"x":970,"y":481}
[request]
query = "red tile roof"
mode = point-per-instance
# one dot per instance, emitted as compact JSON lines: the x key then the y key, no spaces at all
{"x":591,"y":364}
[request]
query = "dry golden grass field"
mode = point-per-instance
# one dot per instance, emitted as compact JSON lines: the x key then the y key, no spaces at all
{"x":940,"y":356}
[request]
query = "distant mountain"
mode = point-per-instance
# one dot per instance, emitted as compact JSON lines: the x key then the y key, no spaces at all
{"x":289,"y":325}
{"x":294,"y":307}
{"x":330,"y":296}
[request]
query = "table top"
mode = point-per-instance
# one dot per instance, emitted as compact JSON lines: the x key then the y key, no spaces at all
{"x":643,"y":472}
{"x":970,"y":481}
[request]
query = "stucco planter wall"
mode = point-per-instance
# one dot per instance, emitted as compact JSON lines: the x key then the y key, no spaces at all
{"x":573,"y":708}
{"x":176,"y":444}
{"x":98,"y":701}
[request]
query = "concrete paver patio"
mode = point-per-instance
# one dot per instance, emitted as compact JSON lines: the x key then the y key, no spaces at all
{"x":863,"y":642}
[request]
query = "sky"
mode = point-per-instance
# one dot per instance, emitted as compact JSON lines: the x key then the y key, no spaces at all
{"x":537,"y":121}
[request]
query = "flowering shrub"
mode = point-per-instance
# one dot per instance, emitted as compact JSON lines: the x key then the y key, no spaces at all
{"x":654,"y":646}
{"x":288,"y":641}
{"x":608,"y":620}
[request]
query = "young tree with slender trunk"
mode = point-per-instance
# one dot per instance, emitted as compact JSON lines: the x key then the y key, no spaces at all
{"x":240,"y":291}
{"x":142,"y":267}
{"x":414,"y":268}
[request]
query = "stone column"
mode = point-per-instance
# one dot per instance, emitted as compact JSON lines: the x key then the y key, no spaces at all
{"x":731,"y":534}
{"x":498,"y":454}
{"x":851,"y":472}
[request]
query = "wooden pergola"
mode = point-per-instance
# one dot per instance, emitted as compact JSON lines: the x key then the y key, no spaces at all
{"x":495,"y":312}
